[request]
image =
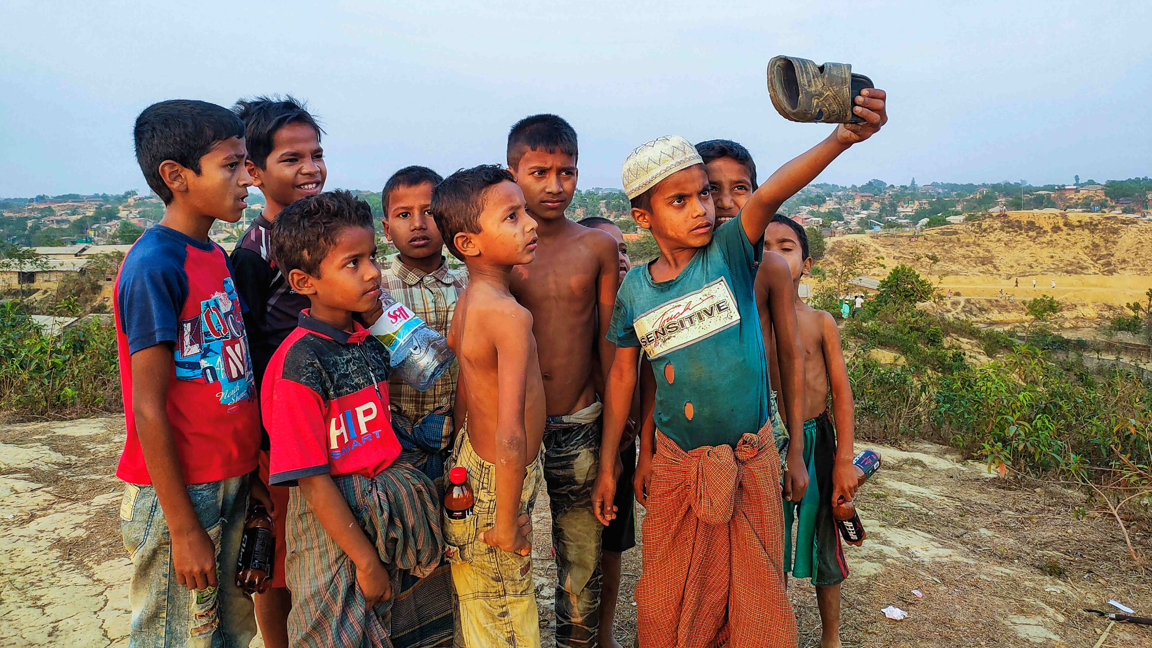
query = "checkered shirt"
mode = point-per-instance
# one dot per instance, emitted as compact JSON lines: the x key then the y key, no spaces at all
{"x":432,"y":297}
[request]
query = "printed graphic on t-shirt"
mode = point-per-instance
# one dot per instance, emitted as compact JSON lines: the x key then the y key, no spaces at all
{"x":211,"y":348}
{"x":687,"y":319}
{"x":352,"y":428}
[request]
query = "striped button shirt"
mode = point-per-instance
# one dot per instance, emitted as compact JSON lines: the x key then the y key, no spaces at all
{"x":432,"y":297}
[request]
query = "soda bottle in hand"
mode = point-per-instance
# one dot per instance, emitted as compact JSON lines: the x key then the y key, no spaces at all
{"x":257,"y":545}
{"x":844,"y":512}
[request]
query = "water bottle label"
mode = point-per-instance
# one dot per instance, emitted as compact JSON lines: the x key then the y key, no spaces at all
{"x":395,"y":326}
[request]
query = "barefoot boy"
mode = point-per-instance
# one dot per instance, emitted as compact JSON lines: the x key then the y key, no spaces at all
{"x":286,"y":163}
{"x":500,"y":401}
{"x":827,"y":448}
{"x":189,"y":400}
{"x":569,"y":288}
{"x":356,"y":517}
{"x":418,"y":276}
{"x":716,"y":474}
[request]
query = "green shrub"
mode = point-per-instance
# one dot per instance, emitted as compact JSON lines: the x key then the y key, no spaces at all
{"x":890,"y":400}
{"x":59,"y":375}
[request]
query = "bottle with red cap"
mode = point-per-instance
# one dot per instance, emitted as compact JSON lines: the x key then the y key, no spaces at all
{"x":458,"y":501}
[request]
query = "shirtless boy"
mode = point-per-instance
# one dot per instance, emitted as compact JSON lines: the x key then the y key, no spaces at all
{"x":500,"y":400}
{"x":569,"y":288}
{"x":827,"y":448}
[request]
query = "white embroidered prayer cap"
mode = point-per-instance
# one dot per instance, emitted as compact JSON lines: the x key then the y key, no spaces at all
{"x":653,"y":161}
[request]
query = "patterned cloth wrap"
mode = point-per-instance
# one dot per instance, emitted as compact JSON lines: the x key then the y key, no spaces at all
{"x":571,"y":461}
{"x":399,"y":511}
{"x":713,"y":569}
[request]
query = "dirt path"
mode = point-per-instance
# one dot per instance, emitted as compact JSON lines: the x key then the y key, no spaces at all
{"x":999,"y":563}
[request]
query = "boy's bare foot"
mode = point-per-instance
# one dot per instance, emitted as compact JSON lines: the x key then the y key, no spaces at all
{"x":830,"y":642}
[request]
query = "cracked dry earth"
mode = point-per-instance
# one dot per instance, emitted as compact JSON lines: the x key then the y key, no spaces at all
{"x":1000,"y":563}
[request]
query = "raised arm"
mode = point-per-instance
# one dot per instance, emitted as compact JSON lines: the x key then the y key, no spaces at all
{"x":511,"y":329}
{"x":617,"y":403}
{"x":800,"y":171}
{"x":844,"y":480}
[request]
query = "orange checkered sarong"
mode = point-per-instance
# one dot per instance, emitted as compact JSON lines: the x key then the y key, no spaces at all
{"x":713,"y":570}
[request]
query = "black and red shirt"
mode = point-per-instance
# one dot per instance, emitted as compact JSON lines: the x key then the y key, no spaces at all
{"x":325,"y":404}
{"x":273,"y":307}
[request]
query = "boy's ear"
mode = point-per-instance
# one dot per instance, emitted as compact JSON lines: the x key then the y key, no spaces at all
{"x":387,"y":229}
{"x":807,"y":267}
{"x":513,"y":172}
{"x":254,"y":171}
{"x":174,"y":175}
{"x":466,"y":244}
{"x":301,"y":282}
{"x":642,"y":218}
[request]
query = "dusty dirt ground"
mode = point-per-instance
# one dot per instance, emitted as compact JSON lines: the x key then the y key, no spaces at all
{"x":1000,"y":563}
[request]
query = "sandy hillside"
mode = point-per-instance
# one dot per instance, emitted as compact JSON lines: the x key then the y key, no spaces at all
{"x":999,"y":563}
{"x":1099,"y":262}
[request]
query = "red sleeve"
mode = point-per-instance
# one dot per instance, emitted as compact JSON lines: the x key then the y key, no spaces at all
{"x":294,"y":418}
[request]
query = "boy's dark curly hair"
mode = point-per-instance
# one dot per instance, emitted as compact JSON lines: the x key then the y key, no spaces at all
{"x":263,"y":116}
{"x":306,"y":230}
{"x":459,"y":199}
{"x":718,"y":148}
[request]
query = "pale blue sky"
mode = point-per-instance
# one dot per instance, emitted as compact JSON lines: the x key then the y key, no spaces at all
{"x":979,"y":91}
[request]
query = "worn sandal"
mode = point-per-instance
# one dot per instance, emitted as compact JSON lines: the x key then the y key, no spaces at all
{"x":805,"y":92}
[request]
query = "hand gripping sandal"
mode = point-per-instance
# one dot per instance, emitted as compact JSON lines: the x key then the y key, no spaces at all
{"x":805,"y":92}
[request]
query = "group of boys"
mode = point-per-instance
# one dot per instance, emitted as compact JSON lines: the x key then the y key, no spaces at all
{"x":255,"y":378}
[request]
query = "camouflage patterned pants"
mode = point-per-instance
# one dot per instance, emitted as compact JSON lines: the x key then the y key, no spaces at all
{"x":571,"y":460}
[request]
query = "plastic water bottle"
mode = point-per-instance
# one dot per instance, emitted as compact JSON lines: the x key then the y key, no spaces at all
{"x":419,"y":354}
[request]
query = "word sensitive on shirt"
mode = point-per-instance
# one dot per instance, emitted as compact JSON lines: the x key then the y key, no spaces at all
{"x":705,"y":325}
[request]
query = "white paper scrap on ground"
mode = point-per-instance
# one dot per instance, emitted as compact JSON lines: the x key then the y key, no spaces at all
{"x":1120,"y":606}
{"x":894,"y":613}
{"x":918,"y":593}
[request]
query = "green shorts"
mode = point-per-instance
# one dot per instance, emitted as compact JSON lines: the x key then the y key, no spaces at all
{"x":819,"y":554}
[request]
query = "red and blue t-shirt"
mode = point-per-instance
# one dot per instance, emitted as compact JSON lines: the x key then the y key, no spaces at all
{"x":173,"y":289}
{"x":325,"y":404}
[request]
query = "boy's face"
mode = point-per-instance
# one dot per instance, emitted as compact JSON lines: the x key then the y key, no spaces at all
{"x":295,"y":167}
{"x":682,"y":214}
{"x":731,"y":187}
{"x":507,"y":233}
{"x":221,"y":187}
{"x":409,"y":224}
{"x":781,"y":239}
{"x":622,"y":247}
{"x":548,"y":181}
{"x":349,"y":277}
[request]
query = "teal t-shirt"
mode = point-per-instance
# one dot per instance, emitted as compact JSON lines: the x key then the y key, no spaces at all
{"x":705,"y":324}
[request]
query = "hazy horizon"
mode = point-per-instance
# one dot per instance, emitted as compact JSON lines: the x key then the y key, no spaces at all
{"x":978,"y":94}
